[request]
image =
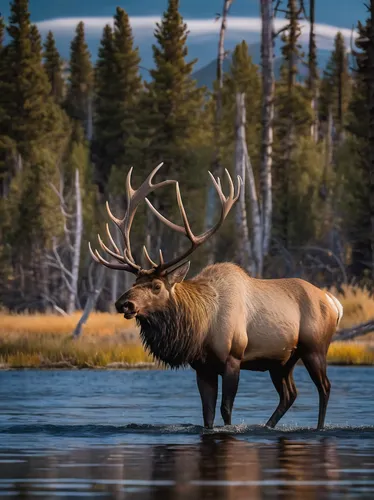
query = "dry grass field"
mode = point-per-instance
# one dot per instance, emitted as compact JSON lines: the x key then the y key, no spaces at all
{"x":109,"y":341}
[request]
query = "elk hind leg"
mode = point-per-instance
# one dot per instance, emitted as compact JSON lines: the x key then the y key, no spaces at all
{"x":207,"y":382}
{"x":230,"y":382}
{"x":282,"y":378}
{"x":316,"y":365}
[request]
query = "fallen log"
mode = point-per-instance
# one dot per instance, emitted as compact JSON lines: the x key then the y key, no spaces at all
{"x":354,"y":331}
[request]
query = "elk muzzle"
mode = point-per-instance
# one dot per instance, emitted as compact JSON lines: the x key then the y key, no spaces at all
{"x":126,"y":307}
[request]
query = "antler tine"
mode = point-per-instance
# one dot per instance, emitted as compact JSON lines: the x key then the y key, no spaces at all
{"x":99,"y":259}
{"x":217,"y":185}
{"x":184,"y":230}
{"x":113,"y":217}
{"x":196,"y":241}
{"x":134,"y":197}
{"x":111,"y":238}
{"x":186,"y":224}
{"x":162,"y":262}
{"x":146,"y":254}
{"x":240,"y":184}
{"x":117,"y":256}
{"x":163,"y":219}
{"x":232,"y":190}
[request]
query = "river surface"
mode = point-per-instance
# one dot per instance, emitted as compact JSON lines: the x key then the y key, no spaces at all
{"x":138,"y":435}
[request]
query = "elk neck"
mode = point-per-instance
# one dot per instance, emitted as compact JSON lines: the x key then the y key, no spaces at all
{"x":175,"y":335}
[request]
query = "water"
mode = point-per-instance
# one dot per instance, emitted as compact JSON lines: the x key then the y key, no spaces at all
{"x":138,"y":435}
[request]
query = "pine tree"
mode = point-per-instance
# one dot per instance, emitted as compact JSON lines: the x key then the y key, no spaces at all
{"x":28,"y":106}
{"x":336,"y":88}
{"x":172,"y":106}
{"x":53,"y":68}
{"x":293,"y":120}
{"x":118,"y":85}
{"x":243,"y":78}
{"x":4,"y":122}
{"x":313,"y":77}
{"x":105,"y":104}
{"x":361,"y":125}
{"x":80,"y":86}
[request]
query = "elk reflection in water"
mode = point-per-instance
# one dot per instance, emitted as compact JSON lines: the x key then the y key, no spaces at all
{"x":218,"y":466}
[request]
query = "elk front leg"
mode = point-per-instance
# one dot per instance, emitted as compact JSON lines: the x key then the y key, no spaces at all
{"x":207,"y":382}
{"x":230,"y":382}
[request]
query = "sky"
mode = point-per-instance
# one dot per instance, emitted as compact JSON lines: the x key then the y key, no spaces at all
{"x":61,"y":16}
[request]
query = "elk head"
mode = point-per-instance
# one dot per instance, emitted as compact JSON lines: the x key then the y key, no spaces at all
{"x":153,"y":287}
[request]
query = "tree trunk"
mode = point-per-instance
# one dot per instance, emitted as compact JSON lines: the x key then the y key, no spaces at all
{"x":313,"y":86}
{"x":371,"y":127}
{"x":95,"y":290}
{"x":354,"y":331}
{"x":216,"y":167}
{"x":267,"y":61}
{"x":89,"y":127}
{"x":243,"y":246}
{"x":77,"y":246}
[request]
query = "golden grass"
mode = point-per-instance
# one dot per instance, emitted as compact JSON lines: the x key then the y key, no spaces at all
{"x":98,"y":323}
{"x":50,"y":349}
{"x":351,"y":353}
{"x":358,"y":306}
{"x":37,"y":341}
{"x":108,"y":340}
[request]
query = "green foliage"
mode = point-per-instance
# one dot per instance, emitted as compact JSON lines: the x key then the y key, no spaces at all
{"x":360,"y":229}
{"x":80,"y":86}
{"x":53,"y":68}
{"x":292,"y":125}
{"x":117,"y":86}
{"x":336,"y":85}
{"x":243,"y":77}
{"x":171,"y":109}
{"x":306,"y":172}
{"x":111,"y":118}
{"x":28,"y":109}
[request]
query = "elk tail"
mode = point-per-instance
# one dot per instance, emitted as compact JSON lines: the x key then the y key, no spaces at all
{"x":336,"y":304}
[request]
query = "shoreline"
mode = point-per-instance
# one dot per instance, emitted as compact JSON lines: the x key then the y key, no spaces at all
{"x":137,"y":366}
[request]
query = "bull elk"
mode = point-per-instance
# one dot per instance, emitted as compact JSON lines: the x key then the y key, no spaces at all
{"x":223,"y":320}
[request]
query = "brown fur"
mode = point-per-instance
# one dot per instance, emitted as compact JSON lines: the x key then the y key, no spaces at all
{"x":242,"y":323}
{"x":175,"y":335}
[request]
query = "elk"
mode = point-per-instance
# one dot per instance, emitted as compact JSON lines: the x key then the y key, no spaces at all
{"x":223,"y":320}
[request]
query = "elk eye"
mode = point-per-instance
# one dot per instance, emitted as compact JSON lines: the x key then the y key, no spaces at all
{"x":157,"y":287}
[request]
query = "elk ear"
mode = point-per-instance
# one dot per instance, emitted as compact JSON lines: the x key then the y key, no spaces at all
{"x":178,"y":274}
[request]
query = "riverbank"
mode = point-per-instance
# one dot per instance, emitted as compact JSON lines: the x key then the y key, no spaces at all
{"x":108,"y":341}
{"x":131,"y":357}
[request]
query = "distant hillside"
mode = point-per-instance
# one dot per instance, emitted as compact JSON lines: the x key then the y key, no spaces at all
{"x":207,"y":74}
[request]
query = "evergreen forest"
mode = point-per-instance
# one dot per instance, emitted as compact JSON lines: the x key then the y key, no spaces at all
{"x":304,"y":149}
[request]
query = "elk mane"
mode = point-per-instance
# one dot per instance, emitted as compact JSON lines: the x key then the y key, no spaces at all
{"x":175,"y":336}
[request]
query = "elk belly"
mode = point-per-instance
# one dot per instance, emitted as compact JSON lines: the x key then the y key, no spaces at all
{"x":273,"y":344}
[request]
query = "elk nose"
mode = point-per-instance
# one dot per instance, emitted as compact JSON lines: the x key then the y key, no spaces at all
{"x":126,"y":307}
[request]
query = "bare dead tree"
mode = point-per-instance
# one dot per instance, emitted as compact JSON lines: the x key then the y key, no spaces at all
{"x":252,"y":246}
{"x":216,"y":166}
{"x":96,"y":284}
{"x":313,"y":72}
{"x":268,"y":88}
{"x":243,"y":247}
{"x":355,"y":331}
{"x":66,"y":255}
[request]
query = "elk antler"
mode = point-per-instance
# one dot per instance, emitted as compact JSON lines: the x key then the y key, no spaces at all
{"x":134,"y":197}
{"x":196,"y":241}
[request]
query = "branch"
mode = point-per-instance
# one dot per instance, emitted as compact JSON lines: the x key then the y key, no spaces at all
{"x":277,"y":33}
{"x":55,"y":306}
{"x":62,"y":267}
{"x":355,"y":331}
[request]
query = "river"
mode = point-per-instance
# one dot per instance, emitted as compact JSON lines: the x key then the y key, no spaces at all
{"x":138,"y":435}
